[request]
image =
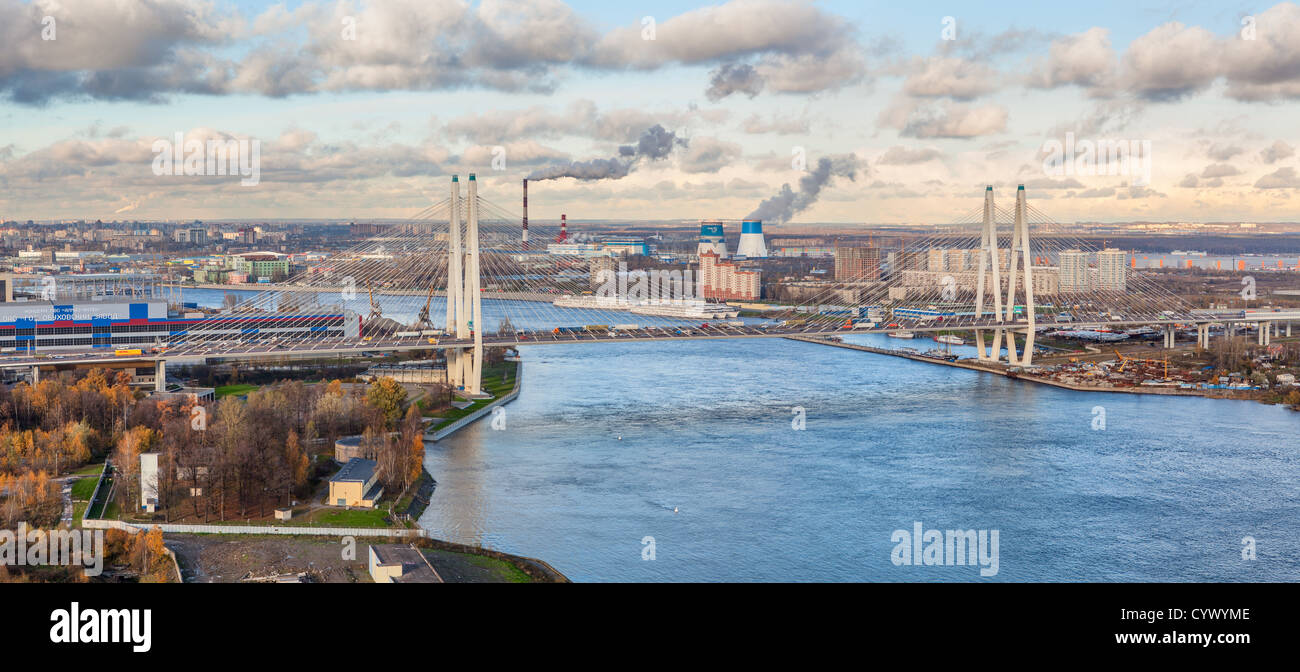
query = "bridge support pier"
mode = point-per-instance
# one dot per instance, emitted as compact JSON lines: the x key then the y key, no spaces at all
{"x":1288,"y":330}
{"x":160,"y":376}
{"x":1261,"y":331}
{"x":36,"y":376}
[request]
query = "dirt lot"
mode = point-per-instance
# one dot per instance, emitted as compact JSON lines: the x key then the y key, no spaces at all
{"x":229,"y":558}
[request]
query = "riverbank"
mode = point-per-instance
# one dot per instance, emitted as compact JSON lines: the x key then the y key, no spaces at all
{"x":1006,"y":371}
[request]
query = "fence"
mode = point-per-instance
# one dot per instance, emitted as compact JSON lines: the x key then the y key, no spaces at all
{"x":182,"y":528}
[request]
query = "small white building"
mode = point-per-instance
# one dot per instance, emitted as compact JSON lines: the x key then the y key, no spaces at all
{"x":149,"y":482}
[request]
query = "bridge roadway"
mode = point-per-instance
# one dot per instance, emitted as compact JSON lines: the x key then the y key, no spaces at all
{"x":267,"y":348}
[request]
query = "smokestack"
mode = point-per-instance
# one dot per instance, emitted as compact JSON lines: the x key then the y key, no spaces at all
{"x":564,"y":230}
{"x":525,"y":239}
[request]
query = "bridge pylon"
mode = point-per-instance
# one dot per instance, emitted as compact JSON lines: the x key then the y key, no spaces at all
{"x":464,"y":300}
{"x":990,"y":269}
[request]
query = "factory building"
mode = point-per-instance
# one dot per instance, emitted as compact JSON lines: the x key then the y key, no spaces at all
{"x":136,"y":323}
{"x":726,"y":281}
{"x":752,"y":245}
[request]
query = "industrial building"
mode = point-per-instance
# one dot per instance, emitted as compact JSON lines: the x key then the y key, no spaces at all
{"x":356,"y":484}
{"x":48,"y":325}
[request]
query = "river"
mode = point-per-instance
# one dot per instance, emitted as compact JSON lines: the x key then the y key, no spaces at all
{"x":692,"y":444}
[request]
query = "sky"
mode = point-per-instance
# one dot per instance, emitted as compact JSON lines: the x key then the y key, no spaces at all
{"x":846,"y":112}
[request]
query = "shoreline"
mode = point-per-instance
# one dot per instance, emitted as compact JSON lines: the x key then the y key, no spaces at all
{"x":997,"y":370}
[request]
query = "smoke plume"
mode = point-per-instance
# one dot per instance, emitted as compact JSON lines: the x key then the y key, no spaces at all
{"x":656,"y":143}
{"x":787,"y":203}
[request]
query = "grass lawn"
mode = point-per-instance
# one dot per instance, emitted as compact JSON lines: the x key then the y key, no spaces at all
{"x":344,"y":518}
{"x":89,"y":470}
{"x":83,"y":488}
{"x":78,"y":510}
{"x":236,"y":390}
{"x":98,"y":509}
{"x":493,"y":383}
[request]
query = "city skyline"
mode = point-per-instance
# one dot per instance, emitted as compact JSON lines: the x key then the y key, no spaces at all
{"x":913,"y":122}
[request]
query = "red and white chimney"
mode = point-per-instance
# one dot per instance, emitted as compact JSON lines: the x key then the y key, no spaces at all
{"x":564,"y":230}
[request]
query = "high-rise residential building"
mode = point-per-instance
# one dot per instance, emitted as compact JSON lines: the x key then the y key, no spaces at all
{"x":727,"y":281}
{"x":1112,"y":270}
{"x":1074,"y":271}
{"x":601,"y":270}
{"x":857,"y":263}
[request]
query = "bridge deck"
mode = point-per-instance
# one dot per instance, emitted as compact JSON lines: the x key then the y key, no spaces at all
{"x":259,"y":349}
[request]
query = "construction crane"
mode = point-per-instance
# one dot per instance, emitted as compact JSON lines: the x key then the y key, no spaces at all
{"x":1157,"y":362}
{"x":423,"y":322}
{"x":375,"y":312}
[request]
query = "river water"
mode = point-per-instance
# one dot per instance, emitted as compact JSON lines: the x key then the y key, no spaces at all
{"x":692,"y":444}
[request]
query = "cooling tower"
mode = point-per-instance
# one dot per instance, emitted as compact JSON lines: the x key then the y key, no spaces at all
{"x":711,"y":239}
{"x":751,"y":240}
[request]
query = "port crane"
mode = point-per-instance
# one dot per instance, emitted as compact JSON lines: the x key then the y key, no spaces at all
{"x":423,"y":321}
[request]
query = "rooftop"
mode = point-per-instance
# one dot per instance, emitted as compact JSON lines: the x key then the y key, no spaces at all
{"x":358,"y":470}
{"x":415,"y":567}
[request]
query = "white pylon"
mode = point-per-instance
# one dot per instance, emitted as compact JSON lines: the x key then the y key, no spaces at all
{"x":474,"y":367}
{"x":455,"y":278}
{"x":989,"y":259}
{"x":1020,"y":243}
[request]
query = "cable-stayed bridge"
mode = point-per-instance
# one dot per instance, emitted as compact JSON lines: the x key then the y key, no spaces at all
{"x":458,"y":277}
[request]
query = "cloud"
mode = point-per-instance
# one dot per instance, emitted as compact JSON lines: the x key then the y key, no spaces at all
{"x":732,"y":78}
{"x":1266,"y":68}
{"x":1282,"y":178}
{"x":1170,"y":62}
{"x":1221,"y":152}
{"x":707,"y":155}
{"x":904,"y":156}
{"x":1085,"y":60}
{"x":779,"y":125}
{"x":581,"y":118}
{"x":945,"y":120}
{"x":949,"y":77}
{"x":1048,"y":184}
{"x":1220,"y":170}
{"x":1276,"y":152}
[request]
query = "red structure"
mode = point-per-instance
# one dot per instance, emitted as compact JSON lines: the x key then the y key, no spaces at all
{"x":564,"y":230}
